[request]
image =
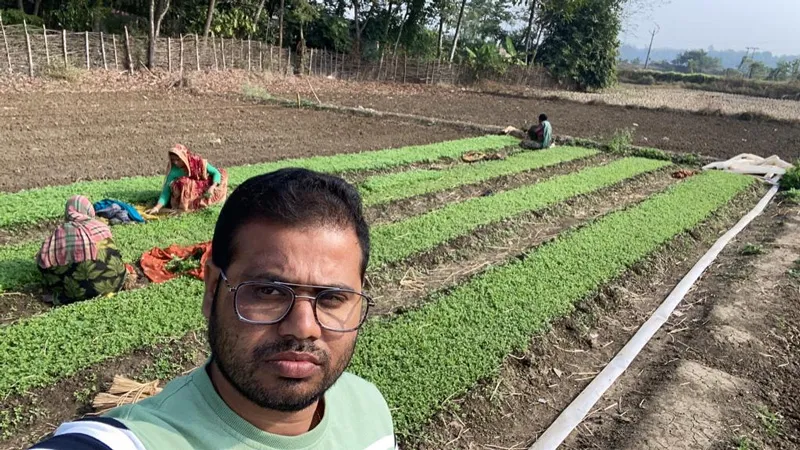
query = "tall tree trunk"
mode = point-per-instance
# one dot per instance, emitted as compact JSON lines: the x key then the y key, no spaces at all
{"x":258,"y":11}
{"x":440,"y":41}
{"x":161,"y":16}
{"x":537,"y":42}
{"x":20,"y":5}
{"x":400,"y":31}
{"x":37,"y":7}
{"x":210,"y":17}
{"x":280,"y":31}
{"x":151,"y":46}
{"x":155,"y":29}
{"x":529,"y":31}
{"x":356,"y":14}
{"x":458,"y":29}
{"x":388,"y":22}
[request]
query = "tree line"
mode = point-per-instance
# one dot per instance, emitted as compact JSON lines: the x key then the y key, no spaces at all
{"x":700,"y":61}
{"x":576,"y":40}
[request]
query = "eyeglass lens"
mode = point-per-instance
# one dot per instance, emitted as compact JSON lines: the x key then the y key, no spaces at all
{"x":336,"y":309}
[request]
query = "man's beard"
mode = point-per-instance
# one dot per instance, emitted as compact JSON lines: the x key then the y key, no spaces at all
{"x":242,"y":369}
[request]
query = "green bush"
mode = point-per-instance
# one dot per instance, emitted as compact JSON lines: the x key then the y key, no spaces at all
{"x":791,"y":179}
{"x":16,"y":17}
{"x":620,"y":143}
{"x":792,"y":196}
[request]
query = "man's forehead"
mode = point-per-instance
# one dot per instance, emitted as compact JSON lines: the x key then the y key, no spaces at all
{"x":285,"y":250}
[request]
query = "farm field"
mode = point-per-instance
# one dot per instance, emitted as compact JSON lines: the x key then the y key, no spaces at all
{"x":534,"y":234}
{"x":717,"y":136}
{"x":113,"y":135}
{"x":502,"y":286}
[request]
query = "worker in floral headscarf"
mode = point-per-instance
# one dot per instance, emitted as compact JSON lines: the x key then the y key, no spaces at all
{"x":79,"y":260}
{"x":191,"y":182}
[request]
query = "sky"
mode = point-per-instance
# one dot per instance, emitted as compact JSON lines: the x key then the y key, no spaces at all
{"x":771,"y":25}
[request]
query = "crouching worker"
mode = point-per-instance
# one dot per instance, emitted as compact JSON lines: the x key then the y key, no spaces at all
{"x":284,"y":304}
{"x":79,"y":260}
{"x":537,"y":137}
{"x":191,"y":182}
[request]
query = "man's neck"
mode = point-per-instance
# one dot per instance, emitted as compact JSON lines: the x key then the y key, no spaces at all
{"x":269,"y":420}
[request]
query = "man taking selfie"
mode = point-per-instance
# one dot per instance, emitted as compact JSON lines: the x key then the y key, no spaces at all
{"x":284,"y":303}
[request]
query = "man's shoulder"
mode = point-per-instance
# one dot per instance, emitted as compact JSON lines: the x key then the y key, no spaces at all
{"x":350,"y":383}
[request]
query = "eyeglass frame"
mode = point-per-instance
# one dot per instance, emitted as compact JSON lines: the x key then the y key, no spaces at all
{"x":324,"y":289}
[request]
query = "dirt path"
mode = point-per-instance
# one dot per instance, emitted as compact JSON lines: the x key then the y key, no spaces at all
{"x":724,"y":373}
{"x":684,"y":132}
{"x":60,"y":138}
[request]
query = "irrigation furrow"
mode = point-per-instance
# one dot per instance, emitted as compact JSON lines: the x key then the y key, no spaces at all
{"x":408,"y":207}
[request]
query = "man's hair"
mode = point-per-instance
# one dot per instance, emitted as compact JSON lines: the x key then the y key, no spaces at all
{"x":542,"y":117}
{"x":290,"y":197}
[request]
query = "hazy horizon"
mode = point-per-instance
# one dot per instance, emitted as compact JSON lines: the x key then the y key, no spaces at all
{"x":769,"y":25}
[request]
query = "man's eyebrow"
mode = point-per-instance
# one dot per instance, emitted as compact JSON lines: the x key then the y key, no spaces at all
{"x":268,"y":276}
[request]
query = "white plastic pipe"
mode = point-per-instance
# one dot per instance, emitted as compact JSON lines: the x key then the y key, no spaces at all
{"x":572,"y":416}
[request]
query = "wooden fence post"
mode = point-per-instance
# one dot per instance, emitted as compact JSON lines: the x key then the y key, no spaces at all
{"x":270,"y":57}
{"x":129,"y":56}
{"x":103,"y":50}
{"x":181,"y":51}
{"x":222,"y":50}
{"x":233,"y":54}
{"x":114,"y":42}
{"x":5,"y":41}
{"x":64,"y":46}
{"x":405,"y":66}
{"x":169,"y":55}
{"x":289,"y":62}
{"x":86,"y":41}
{"x":249,"y":64}
{"x":46,"y":45}
{"x":311,"y":63}
{"x":28,"y":43}
{"x":214,"y":46}
{"x":197,"y":51}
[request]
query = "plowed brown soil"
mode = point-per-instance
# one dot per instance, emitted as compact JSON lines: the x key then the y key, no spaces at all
{"x":59,"y":138}
{"x":711,"y":135}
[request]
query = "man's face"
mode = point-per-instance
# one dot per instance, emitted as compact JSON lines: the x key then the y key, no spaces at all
{"x":260,"y":361}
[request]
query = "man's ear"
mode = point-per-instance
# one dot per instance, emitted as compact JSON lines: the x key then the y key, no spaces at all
{"x":211,"y":276}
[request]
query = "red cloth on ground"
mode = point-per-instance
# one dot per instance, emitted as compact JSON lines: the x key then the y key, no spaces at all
{"x":154,"y":261}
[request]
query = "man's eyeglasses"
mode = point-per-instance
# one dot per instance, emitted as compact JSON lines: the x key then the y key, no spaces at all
{"x":267,"y":303}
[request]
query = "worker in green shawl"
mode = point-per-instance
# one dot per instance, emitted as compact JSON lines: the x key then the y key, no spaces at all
{"x":537,"y":137}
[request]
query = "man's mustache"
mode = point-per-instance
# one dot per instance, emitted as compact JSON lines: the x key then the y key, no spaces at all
{"x":264,"y":352}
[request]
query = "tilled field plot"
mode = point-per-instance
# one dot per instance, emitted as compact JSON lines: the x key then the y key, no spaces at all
{"x":59,"y":138}
{"x":717,"y":136}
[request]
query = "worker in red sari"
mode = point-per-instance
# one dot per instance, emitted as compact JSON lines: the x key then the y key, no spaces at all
{"x":192,"y":183}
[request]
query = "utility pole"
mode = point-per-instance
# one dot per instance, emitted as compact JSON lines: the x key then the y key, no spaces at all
{"x":652,"y":37}
{"x":747,"y":58}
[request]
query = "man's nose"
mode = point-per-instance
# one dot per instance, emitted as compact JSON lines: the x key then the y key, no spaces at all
{"x":300,"y":323}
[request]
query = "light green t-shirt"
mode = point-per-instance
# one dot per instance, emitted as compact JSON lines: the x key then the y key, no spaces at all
{"x":189,"y":414}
